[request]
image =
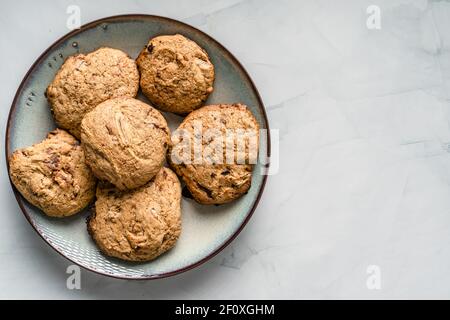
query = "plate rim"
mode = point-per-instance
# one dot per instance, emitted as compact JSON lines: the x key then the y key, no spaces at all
{"x":91,"y":25}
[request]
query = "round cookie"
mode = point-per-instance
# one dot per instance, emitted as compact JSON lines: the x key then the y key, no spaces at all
{"x":125,"y":141}
{"x":176,"y":74}
{"x":140,"y":224}
{"x":84,"y":81}
{"x":53,"y":175}
{"x":229,"y":140}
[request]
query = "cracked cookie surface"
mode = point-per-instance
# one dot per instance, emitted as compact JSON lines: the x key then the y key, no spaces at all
{"x":219,"y":178}
{"x":53,"y":175}
{"x":125,"y":141}
{"x":141,"y":224}
{"x":176,"y":73}
{"x":84,"y":81}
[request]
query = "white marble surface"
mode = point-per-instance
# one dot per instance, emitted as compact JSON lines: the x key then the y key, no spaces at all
{"x":364,"y":173}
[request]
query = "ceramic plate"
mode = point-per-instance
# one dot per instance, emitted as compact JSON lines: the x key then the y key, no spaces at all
{"x":205,"y":229}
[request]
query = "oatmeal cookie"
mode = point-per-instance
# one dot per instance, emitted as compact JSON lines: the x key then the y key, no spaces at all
{"x":84,"y":81}
{"x":229,"y":142}
{"x":53,"y":175}
{"x":176,"y":74}
{"x":140,"y":224}
{"x":125,"y":141}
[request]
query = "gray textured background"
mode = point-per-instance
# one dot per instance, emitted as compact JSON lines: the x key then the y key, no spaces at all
{"x":364,"y":151}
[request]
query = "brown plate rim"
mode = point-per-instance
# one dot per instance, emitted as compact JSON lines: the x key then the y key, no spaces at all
{"x":115,"y":19}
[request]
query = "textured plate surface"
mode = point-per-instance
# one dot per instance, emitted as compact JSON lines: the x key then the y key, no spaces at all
{"x":205,"y":229}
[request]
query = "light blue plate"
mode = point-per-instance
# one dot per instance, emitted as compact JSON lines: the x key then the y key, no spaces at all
{"x":205,"y":229}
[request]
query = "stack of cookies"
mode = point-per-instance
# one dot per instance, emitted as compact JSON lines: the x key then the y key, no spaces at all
{"x":112,"y":148}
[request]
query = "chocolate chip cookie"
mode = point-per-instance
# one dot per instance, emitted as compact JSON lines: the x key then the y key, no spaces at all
{"x":84,"y":81}
{"x":214,"y":150}
{"x":176,"y":73}
{"x":53,"y":175}
{"x":125,"y":141}
{"x":140,"y":224}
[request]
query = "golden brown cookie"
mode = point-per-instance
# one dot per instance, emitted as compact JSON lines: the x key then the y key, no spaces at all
{"x":140,"y":224}
{"x":84,"y":81}
{"x":125,"y":141}
{"x":53,"y":175}
{"x":229,"y":138}
{"x":176,"y":74}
